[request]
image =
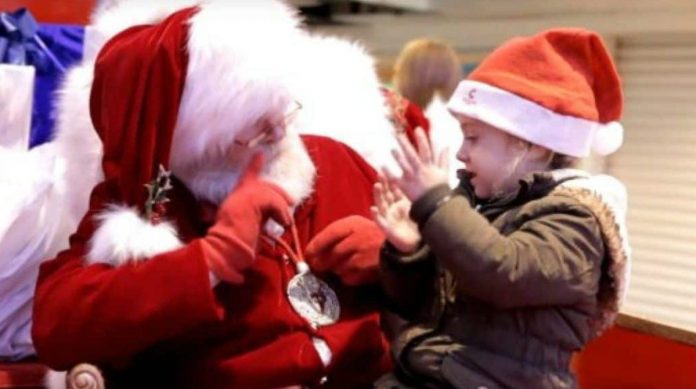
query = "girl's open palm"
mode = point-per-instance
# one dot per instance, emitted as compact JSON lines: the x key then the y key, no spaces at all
{"x":391,"y":214}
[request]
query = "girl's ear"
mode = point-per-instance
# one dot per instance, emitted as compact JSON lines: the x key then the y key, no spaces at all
{"x":539,"y":153}
{"x":518,"y":144}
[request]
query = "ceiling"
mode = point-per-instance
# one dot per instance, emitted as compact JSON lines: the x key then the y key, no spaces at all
{"x":479,"y":25}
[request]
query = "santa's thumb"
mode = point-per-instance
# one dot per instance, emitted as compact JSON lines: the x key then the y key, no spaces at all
{"x":254,"y":168}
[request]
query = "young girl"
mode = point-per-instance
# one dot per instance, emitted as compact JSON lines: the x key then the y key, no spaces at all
{"x":502,"y":279}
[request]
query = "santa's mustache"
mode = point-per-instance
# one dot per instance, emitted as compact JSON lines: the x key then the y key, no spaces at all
{"x":213,"y":177}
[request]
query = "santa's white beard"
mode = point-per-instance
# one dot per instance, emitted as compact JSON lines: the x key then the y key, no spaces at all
{"x":287,"y":164}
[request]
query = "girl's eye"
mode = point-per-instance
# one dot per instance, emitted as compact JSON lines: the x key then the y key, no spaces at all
{"x":470,"y":138}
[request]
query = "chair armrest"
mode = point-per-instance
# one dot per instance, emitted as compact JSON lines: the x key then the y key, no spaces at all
{"x":84,"y":376}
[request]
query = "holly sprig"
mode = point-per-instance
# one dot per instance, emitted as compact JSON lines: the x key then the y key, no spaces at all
{"x":157,"y":195}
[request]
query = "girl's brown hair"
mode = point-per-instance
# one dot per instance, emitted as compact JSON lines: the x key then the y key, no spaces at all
{"x":562,"y":161}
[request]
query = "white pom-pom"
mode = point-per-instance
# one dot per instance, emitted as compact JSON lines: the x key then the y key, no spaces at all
{"x":608,"y":138}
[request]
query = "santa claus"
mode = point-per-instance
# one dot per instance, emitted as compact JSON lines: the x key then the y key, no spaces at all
{"x":222,"y":249}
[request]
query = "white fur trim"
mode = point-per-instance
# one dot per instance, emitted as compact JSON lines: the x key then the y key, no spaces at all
{"x":78,"y":146}
{"x":113,"y":16}
{"x":340,"y":91}
{"x":606,"y":197}
{"x":232,"y":80}
{"x":532,"y":122}
{"x":123,"y":236}
{"x":55,"y":379}
{"x":614,"y":195}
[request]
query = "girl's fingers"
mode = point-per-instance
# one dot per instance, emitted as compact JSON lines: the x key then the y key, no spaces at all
{"x":403,"y":163}
{"x":375,"y":213}
{"x":424,"y":151}
{"x":389,"y":195}
{"x":398,"y":194}
{"x":386,"y":189}
{"x":410,"y":154}
{"x":380,"y":220}
{"x":378,"y":194}
{"x":402,"y":213}
{"x":390,"y":179}
{"x":384,"y":184}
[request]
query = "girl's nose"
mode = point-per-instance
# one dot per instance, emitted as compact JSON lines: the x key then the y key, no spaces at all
{"x":463,"y":153}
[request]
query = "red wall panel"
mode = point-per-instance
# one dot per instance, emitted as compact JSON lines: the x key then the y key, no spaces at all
{"x":625,"y":359}
{"x":53,"y":11}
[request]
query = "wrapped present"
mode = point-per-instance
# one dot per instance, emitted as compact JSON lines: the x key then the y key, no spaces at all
{"x":27,"y":191}
{"x":16,"y":96}
{"x":33,"y":59}
{"x":50,"y":49}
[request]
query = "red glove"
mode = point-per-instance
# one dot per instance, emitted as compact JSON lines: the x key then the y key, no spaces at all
{"x":348,"y":247}
{"x":229,"y":247}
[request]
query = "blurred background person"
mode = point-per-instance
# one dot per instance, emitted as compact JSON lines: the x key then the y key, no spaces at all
{"x":426,"y":72}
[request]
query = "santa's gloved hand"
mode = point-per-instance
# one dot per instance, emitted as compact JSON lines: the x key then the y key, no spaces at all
{"x":229,"y":247}
{"x":348,"y":247}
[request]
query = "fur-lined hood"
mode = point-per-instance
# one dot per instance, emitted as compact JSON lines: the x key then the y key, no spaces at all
{"x":607,"y":198}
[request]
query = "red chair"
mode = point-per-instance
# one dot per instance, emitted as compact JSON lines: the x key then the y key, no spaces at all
{"x":22,"y":375}
{"x":32,"y":375}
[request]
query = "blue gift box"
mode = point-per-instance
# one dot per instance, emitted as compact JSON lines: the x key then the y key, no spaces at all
{"x":51,"y":49}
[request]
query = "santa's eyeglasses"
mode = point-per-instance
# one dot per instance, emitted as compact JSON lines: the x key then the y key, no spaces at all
{"x":267,"y":134}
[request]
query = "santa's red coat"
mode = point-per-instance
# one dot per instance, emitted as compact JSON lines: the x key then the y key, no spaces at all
{"x":159,"y":322}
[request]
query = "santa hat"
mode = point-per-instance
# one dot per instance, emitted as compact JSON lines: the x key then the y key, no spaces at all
{"x":175,"y":94}
{"x":558,"y":89}
{"x":184,"y":84}
{"x":138,"y":82}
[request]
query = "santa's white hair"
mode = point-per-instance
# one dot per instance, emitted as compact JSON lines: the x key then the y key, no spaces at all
{"x":340,"y":90}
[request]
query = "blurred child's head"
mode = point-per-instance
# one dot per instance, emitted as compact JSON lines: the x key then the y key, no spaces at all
{"x":426,"y":68}
{"x":537,"y":103}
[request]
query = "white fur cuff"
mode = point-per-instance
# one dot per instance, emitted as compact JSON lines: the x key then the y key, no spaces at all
{"x":123,"y":236}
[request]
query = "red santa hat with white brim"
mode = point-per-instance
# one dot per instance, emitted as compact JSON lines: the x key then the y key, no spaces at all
{"x":558,"y":89}
{"x":176,"y":93}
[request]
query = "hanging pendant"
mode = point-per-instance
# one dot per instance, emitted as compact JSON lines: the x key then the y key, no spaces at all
{"x":312,"y":298}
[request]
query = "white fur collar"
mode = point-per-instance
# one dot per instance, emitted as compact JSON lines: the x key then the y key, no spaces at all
{"x":606,"y":197}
